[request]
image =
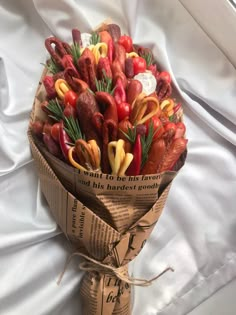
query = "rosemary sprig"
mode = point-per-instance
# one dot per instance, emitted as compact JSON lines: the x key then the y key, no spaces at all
{"x":146,"y":142}
{"x":131,"y":134}
{"x":148,"y":58}
{"x":52,"y":66}
{"x":71,"y":124}
{"x":55,"y":109}
{"x":75,"y":51}
{"x":95,"y":38}
{"x":72,"y":128}
{"x":90,"y":91}
{"x":104,"y":85}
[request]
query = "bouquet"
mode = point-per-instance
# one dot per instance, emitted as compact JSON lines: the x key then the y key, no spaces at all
{"x":108,"y":138}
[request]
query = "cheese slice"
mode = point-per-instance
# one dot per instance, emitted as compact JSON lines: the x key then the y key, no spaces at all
{"x":85,"y":38}
{"x":148,"y":81}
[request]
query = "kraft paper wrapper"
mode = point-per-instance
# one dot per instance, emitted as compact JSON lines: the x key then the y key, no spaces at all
{"x":105,"y":217}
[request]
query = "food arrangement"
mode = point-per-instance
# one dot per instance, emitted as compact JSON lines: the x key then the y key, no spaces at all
{"x":108,"y":139}
{"x":108,"y":107}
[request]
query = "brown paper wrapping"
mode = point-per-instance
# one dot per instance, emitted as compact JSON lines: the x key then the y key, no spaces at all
{"x":105,"y":217}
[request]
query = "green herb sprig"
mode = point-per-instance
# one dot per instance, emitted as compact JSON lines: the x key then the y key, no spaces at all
{"x":104,"y":85}
{"x":76,"y":53}
{"x":55,"y":109}
{"x":72,"y":128}
{"x":52,"y":66}
{"x":95,"y":39}
{"x":148,"y":58}
{"x":71,"y":124}
{"x":146,"y":142}
{"x":131,"y":134}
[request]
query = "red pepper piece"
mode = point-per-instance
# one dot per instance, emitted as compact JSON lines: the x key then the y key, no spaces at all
{"x":119,"y":92}
{"x":64,"y":141}
{"x":127,"y":42}
{"x":140,"y":65}
{"x":48,"y":83}
{"x":135,"y":166}
{"x":70,"y":98}
{"x":177,"y":107}
{"x":123,"y":110}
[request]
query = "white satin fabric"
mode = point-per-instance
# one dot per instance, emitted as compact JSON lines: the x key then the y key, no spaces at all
{"x":196,"y":233}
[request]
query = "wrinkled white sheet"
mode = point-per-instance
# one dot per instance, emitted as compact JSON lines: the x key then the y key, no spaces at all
{"x":196,"y":233}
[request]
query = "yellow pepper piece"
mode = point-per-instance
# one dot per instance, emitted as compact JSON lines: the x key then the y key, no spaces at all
{"x":125,"y":164}
{"x":119,"y":160}
{"x":61,"y":87}
{"x":132,"y":55}
{"x":139,"y":108}
{"x":95,"y":152}
{"x":73,"y":162}
{"x":89,"y":153}
{"x":167,"y":106}
{"x":99,"y":50}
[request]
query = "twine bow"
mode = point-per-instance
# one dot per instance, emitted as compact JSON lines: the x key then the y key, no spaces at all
{"x":121,"y":273}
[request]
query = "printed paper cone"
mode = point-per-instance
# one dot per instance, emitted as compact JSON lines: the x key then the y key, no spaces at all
{"x":106,"y":218}
{"x":101,"y":290}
